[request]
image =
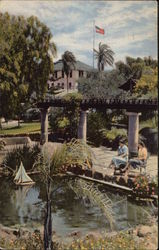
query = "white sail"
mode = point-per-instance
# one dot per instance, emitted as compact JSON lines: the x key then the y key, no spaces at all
{"x":21,"y":176}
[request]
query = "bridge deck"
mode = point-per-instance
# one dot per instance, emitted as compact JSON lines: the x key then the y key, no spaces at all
{"x":130,"y":104}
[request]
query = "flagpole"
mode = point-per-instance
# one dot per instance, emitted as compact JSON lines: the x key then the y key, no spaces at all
{"x":93,"y":40}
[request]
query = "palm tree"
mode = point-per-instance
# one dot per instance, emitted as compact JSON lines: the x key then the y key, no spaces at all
{"x":104,"y":56}
{"x":69,"y":61}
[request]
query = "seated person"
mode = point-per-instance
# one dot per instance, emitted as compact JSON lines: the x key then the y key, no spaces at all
{"x":142,"y":157}
{"x":122,"y":157}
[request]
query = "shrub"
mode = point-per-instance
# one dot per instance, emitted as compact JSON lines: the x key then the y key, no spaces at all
{"x":144,"y":186}
{"x":96,"y":124}
{"x":119,"y":242}
{"x":32,"y":242}
{"x":112,"y":137}
{"x":26,"y":154}
{"x":31,"y":114}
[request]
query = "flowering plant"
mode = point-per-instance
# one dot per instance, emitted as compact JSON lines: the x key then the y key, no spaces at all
{"x":145,"y":186}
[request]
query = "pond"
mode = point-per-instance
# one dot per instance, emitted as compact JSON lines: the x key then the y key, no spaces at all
{"x":25,"y":206}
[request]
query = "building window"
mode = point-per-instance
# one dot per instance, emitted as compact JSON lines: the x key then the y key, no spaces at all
{"x":70,"y":85}
{"x":80,"y":73}
{"x":62,"y":74}
{"x":71,"y":73}
{"x":55,"y":74}
{"x":63,"y":85}
{"x":58,"y":84}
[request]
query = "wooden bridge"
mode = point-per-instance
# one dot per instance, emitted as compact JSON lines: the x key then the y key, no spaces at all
{"x":133,"y":108}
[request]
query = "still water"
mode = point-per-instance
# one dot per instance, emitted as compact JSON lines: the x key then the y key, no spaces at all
{"x":25,"y":206}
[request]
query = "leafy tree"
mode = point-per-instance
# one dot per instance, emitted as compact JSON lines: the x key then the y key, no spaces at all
{"x":149,"y":61}
{"x":104,"y":56}
{"x":132,"y":68}
{"x":25,"y":62}
{"x":68,"y":60}
{"x":50,"y":161}
{"x":147,"y":85}
{"x":67,"y":118}
{"x":101,"y":86}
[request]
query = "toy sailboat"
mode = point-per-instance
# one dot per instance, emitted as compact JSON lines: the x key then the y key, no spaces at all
{"x":22,"y":178}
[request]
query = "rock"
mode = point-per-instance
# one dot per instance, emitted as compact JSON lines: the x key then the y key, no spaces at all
{"x":130,"y":183}
{"x":9,"y":230}
{"x":37,"y":231}
{"x":153,"y":239}
{"x":88,"y":173}
{"x":117,"y":172}
{"x":107,"y":178}
{"x":134,"y":231}
{"x":137,"y":239}
{"x":111,"y":234}
{"x":98,"y":176}
{"x":154,"y":228}
{"x":75,"y":233}
{"x":151,"y":246}
{"x":117,"y":179}
{"x":78,"y":170}
{"x":144,"y":230}
{"x":93,"y":235}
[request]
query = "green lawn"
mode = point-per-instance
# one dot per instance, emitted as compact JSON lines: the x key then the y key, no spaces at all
{"x":31,"y":127}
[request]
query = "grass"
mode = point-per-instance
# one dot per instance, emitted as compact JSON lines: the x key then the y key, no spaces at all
{"x":31,"y":127}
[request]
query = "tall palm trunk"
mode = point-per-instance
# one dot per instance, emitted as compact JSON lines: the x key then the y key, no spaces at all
{"x":67,"y":83}
{"x":48,"y":220}
{"x":0,"y":123}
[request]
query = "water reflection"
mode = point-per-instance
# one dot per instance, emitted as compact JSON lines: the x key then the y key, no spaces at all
{"x":25,"y":205}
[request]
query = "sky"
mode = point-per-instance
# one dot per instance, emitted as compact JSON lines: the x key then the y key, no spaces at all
{"x":130,"y":26}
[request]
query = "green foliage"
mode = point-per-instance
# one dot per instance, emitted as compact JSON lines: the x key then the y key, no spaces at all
{"x":28,"y":155}
{"x":149,"y":61}
{"x":32,"y":242}
{"x":50,"y":160}
{"x":147,"y":85}
{"x":84,"y":189}
{"x":79,"y":154}
{"x":76,"y":97}
{"x":101,"y":85}
{"x":31,"y":114}
{"x":66,"y":118}
{"x":144,"y":186}
{"x":98,"y":131}
{"x":114,"y":133}
{"x":54,"y":159}
{"x":151,"y":123}
{"x":96,"y":123}
{"x":25,"y":62}
{"x":132,"y":68}
{"x":104,"y":56}
{"x":68,"y":60}
{"x":120,"y":241}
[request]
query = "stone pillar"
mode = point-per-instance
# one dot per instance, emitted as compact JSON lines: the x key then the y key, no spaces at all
{"x":82,"y":127}
{"x":44,"y":126}
{"x":133,"y":133}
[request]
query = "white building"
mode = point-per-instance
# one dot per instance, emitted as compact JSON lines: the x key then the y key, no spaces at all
{"x":60,"y":79}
